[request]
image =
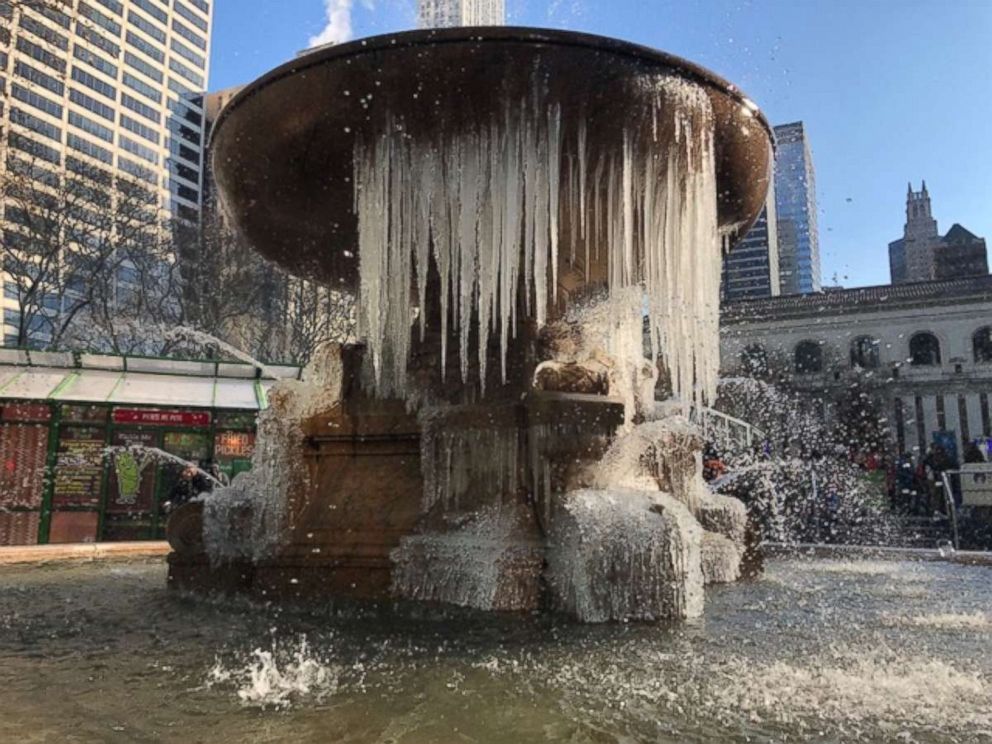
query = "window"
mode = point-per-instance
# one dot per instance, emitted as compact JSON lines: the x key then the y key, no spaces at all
{"x":35,"y":124}
{"x":754,"y":360}
{"x":184,"y":171}
{"x":91,"y":104}
{"x":136,"y":20}
{"x":136,"y":148}
{"x":187,"y":193}
{"x":95,"y":61}
{"x":145,"y":47}
{"x":142,"y":87}
{"x":189,"y":35}
{"x":865,"y":352}
{"x":28,"y":96}
{"x":202,"y":5}
{"x":113,"y":6}
{"x":33,"y":170}
{"x":45,"y":57}
{"x":53,"y":14}
{"x":924,"y":350}
{"x":44,"y":33}
{"x":180,"y":88}
{"x":143,"y":67}
{"x":151,"y":9}
{"x":981,"y":343}
{"x":176,"y":66}
{"x":39,"y":78}
{"x":185,"y":52}
{"x":140,"y":108}
{"x":190,"y":16}
{"x":38,"y":150}
{"x":90,"y":171}
{"x":138,"y":171}
{"x":132,"y":125}
{"x":89,"y":148}
{"x":99,"y":41}
{"x":100,"y":18}
{"x":190,"y":115}
{"x":808,"y":358}
{"x":88,"y":125}
{"x":94,"y":83}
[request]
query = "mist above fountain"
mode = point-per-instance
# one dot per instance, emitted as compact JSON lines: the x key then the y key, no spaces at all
{"x":506,"y":204}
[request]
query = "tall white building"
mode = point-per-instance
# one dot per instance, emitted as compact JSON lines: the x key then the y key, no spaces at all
{"x":103,"y":88}
{"x":448,"y":13}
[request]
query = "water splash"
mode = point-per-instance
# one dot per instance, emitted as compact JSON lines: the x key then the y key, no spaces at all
{"x":278,"y":677}
{"x":144,"y":454}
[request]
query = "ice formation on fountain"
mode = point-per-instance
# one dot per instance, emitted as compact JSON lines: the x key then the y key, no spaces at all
{"x":648,"y":535}
{"x":622,"y":554}
{"x":490,"y":206}
{"x":476,"y":563}
{"x":250,"y":518}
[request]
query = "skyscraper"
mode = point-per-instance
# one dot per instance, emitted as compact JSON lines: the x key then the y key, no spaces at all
{"x":795,"y":201}
{"x":99,"y":90}
{"x":751,"y":269}
{"x":922,"y":254}
{"x":448,"y":13}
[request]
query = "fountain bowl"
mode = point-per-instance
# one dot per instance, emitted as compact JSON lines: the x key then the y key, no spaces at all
{"x":283,"y":148}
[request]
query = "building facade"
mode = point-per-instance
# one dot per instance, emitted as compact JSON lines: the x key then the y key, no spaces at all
{"x":751,"y":269}
{"x":106,"y":90}
{"x":922,"y":254}
{"x":449,"y":13}
{"x":925,"y":349}
{"x":795,"y":201}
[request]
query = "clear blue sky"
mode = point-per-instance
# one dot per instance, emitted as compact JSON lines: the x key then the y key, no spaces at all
{"x":890,"y":91}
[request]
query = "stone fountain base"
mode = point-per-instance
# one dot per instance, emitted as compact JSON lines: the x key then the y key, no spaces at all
{"x":360,"y":530}
{"x":542,"y":499}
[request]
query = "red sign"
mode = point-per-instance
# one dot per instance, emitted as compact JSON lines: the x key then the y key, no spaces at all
{"x":27,"y":412}
{"x":150,"y":417}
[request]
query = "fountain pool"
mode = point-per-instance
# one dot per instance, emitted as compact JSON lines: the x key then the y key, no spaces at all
{"x":818,"y":650}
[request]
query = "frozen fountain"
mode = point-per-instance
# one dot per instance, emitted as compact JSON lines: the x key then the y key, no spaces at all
{"x":507,"y":205}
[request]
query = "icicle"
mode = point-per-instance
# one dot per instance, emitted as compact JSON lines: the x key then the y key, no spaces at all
{"x":486,"y":207}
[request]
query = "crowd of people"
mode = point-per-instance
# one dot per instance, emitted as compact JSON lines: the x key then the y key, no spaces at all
{"x":915,"y":483}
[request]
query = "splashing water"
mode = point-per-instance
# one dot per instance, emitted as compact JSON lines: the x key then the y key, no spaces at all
{"x":202,"y":338}
{"x":278,"y":677}
{"x":143,"y":453}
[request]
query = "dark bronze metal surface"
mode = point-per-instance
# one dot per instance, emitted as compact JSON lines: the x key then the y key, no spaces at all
{"x":282,"y":149}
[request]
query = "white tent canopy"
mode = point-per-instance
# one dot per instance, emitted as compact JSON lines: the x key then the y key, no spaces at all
{"x":119,"y":380}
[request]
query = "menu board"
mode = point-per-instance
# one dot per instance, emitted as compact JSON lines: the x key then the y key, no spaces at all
{"x":84,"y":414}
{"x":80,"y":466}
{"x":132,"y":475}
{"x":23,"y":454}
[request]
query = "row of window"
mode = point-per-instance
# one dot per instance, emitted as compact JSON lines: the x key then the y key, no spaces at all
{"x":61,"y":41}
{"x":97,"y":85}
{"x":865,"y":352}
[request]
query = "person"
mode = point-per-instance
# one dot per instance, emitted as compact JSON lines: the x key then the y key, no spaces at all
{"x":973,"y":453}
{"x":216,"y":473}
{"x":191,"y":483}
{"x":713,"y":466}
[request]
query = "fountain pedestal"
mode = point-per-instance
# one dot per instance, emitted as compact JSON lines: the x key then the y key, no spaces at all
{"x":364,"y":496}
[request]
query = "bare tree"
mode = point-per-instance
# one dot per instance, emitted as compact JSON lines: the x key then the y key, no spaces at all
{"x":313,"y":314}
{"x":232,"y":293}
{"x":68,"y":240}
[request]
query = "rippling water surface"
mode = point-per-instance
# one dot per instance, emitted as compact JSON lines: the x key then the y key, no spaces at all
{"x":816,"y":651}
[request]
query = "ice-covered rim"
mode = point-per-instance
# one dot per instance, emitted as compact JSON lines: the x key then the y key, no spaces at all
{"x":494,"y":34}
